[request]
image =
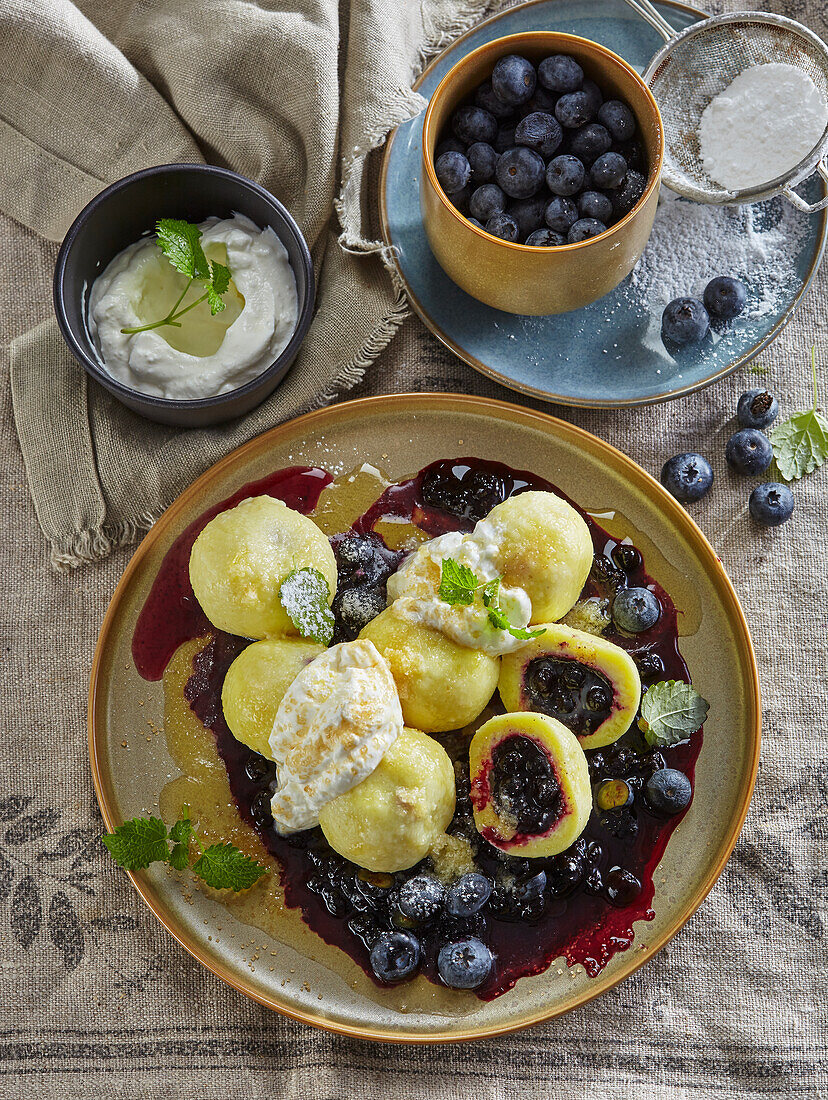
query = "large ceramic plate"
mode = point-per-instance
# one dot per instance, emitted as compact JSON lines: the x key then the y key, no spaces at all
{"x":400,"y":434}
{"x":610,"y":353}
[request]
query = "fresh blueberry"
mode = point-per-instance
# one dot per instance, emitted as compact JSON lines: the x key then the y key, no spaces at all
{"x":565,"y":175}
{"x":421,"y":897}
{"x":468,"y":894}
{"x":561,"y":214}
{"x":473,"y":123}
{"x":359,"y":559}
{"x":633,"y":153}
{"x":453,"y":171}
{"x":504,"y":139}
{"x":539,"y":130}
{"x":513,"y":79}
{"x":482,"y":159}
{"x":545,"y":238}
{"x":503,"y":226}
{"x":608,"y":170}
{"x":584,"y":229}
{"x":484,"y":97}
{"x":771,"y":504}
{"x":590,"y":142}
{"x":465,"y":964}
{"x":520,"y":172}
{"x":594,"y":96}
{"x":354,"y":608}
{"x":476,"y":223}
{"x":449,"y":145}
{"x":635,"y":610}
{"x":541,"y":101}
{"x":560,"y":73}
{"x":592,"y":204}
{"x":725,"y":297}
{"x":668,"y":791}
{"x":574,"y":109}
{"x":628,"y":194}
{"x":486,"y":201}
{"x":757,"y":409}
{"x":395,"y":956}
{"x":749,"y":451}
{"x":528,"y":213}
{"x":618,"y":119}
{"x":684,"y":321}
{"x":461,"y":198}
{"x":687,"y":476}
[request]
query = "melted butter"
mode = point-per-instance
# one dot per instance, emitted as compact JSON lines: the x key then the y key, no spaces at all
{"x":201,"y":332}
{"x":203,"y":785}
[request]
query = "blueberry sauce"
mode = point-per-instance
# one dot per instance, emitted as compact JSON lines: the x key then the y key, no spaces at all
{"x":581,"y":904}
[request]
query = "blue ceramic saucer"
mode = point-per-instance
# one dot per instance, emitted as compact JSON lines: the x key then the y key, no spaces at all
{"x":610,"y":353}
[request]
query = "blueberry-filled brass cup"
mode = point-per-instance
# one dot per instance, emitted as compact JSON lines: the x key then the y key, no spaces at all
{"x":525,"y":279}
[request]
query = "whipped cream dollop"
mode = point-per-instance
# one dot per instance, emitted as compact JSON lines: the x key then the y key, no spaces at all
{"x":333,"y":727}
{"x":413,"y":591}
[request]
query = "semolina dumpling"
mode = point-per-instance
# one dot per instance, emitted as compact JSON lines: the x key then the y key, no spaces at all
{"x":441,"y":685}
{"x":545,"y":549}
{"x":256,"y":682}
{"x":390,"y":820}
{"x":240,"y":559}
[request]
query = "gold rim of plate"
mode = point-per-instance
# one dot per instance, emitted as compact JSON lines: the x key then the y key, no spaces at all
{"x":533,"y":391}
{"x":412,"y":405}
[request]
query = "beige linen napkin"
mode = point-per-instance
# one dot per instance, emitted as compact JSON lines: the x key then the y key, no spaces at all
{"x":291,"y":93}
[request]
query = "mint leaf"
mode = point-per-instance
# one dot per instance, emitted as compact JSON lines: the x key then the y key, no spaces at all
{"x":181,"y":832}
{"x":304,"y":594}
{"x":498,"y":618}
{"x":457,"y":583}
{"x":138,"y":843}
{"x":180,"y":243}
{"x":226,"y":868}
{"x":180,"y":856}
{"x":489,"y":592}
{"x":219,"y":282}
{"x":670,"y":712}
{"x":800,"y":443}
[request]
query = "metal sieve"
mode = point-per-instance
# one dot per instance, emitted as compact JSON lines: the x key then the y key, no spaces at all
{"x":701,"y":61}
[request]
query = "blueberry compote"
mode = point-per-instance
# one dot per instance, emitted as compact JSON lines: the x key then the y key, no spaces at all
{"x":581,"y":904}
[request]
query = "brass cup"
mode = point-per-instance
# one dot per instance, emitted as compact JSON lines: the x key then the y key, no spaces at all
{"x":526,"y":279}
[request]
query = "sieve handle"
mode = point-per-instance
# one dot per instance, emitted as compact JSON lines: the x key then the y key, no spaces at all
{"x":648,"y":11}
{"x":797,"y":200}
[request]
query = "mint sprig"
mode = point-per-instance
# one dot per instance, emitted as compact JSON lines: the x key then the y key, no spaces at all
{"x":459,"y":585}
{"x":180,"y":242}
{"x":304,"y":594}
{"x":800,"y":443}
{"x":145,"y":840}
{"x":671,"y":711}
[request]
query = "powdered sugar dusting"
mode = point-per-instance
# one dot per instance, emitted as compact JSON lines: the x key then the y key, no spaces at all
{"x":691,"y":243}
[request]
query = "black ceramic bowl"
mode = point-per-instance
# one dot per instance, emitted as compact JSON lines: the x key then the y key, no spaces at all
{"x":125,"y":212}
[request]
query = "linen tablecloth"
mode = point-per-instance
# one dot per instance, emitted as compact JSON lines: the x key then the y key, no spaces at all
{"x":735,"y":1006}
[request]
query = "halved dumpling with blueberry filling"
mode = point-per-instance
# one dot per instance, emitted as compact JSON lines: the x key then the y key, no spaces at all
{"x":530,"y":788}
{"x":585,"y":681}
{"x":545,"y":549}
